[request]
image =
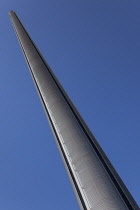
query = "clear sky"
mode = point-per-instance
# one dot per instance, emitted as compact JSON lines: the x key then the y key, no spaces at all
{"x":93,"y":47}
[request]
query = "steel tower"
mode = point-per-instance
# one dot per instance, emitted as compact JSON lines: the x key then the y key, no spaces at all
{"x":96,"y":183}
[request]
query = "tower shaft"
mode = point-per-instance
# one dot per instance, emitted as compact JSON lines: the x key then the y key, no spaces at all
{"x":96,"y":183}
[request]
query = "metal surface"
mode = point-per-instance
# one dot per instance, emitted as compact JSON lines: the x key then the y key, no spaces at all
{"x":96,"y":183}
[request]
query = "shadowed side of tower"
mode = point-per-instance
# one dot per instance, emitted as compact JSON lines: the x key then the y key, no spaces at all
{"x":96,"y":183}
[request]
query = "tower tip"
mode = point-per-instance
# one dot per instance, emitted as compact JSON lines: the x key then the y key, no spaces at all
{"x":11,"y":11}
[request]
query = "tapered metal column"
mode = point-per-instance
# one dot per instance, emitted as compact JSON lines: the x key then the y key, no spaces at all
{"x":96,"y":183}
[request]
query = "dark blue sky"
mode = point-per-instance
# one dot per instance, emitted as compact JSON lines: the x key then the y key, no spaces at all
{"x":93,"y":47}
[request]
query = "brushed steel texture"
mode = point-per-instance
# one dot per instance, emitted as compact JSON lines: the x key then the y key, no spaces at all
{"x":96,"y":183}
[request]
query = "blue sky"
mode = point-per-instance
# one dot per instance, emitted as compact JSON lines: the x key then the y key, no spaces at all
{"x":93,"y":47}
